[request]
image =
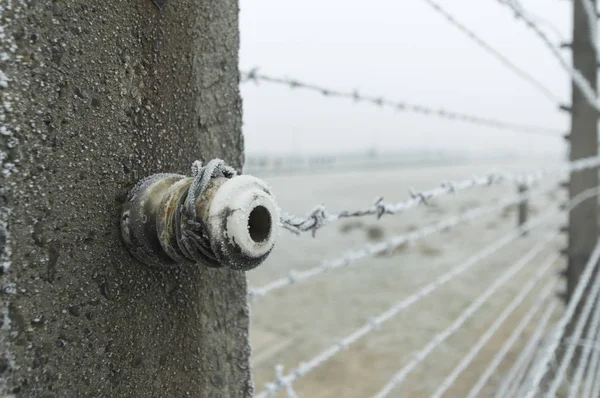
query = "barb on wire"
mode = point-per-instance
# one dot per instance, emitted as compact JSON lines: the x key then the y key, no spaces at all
{"x":253,"y":75}
{"x":420,"y":356}
{"x":513,"y":379}
{"x":578,"y":79}
{"x":499,"y":321}
{"x":319,"y":217}
{"x":371,"y":250}
{"x":541,"y":367}
{"x":279,"y":383}
{"x":403,"y":304}
{"x":503,"y":59}
{"x":515,"y":334}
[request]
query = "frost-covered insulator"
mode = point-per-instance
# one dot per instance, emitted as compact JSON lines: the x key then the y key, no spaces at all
{"x":225,"y":220}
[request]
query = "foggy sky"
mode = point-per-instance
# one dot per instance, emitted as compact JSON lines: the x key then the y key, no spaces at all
{"x":403,"y":50}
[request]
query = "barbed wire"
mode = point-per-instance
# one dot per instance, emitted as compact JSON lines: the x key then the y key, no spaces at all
{"x":583,"y":342}
{"x":374,"y":323}
{"x":319,"y":217}
{"x":253,"y":75}
{"x":549,"y":24}
{"x":502,"y":58}
{"x":596,"y":387}
{"x":552,"y":367}
{"x":541,"y":367}
{"x":580,"y":324}
{"x":286,"y":381}
{"x":294,"y":276}
{"x":578,"y":79}
{"x":512,"y":339}
{"x":586,"y":354}
{"x":498,"y":321}
{"x":513,"y":270}
{"x":592,"y":17}
{"x":514,"y":376}
{"x":592,"y":371}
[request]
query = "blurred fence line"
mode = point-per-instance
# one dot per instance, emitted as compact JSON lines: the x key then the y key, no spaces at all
{"x":561,"y":356}
{"x":281,"y":165}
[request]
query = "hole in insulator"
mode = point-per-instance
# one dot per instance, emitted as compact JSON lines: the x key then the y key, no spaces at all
{"x":259,"y":224}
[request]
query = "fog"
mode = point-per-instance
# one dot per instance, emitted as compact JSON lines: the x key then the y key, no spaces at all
{"x":404,"y":51}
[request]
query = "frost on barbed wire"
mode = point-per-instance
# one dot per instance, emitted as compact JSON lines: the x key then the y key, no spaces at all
{"x":507,"y":62}
{"x":439,"y":338}
{"x":582,"y":320}
{"x":498,"y":322}
{"x":576,"y":76}
{"x":590,"y":11}
{"x":585,"y":357}
{"x":380,"y":248}
{"x":512,"y":339}
{"x":254,"y":76}
{"x":375,"y":322}
{"x":319,"y":217}
{"x":592,"y":382}
{"x":540,"y":368}
{"x":592,"y":371}
{"x":526,"y":356}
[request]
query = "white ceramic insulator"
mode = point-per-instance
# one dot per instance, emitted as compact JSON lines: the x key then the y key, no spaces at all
{"x":237,"y":198}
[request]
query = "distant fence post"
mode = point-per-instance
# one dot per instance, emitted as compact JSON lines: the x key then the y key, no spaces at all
{"x":523,"y":206}
{"x":583,"y":220}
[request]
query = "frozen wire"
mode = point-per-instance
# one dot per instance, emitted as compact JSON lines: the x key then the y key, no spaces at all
{"x":254,"y":76}
{"x":549,"y":24}
{"x":596,"y":388}
{"x":513,"y":378}
{"x":585,"y":357}
{"x":295,"y":277}
{"x":592,"y":16}
{"x":420,"y":356}
{"x":323,"y":356}
{"x":319,"y":217}
{"x":592,"y":370}
{"x":584,"y":343}
{"x":578,"y":79}
{"x":288,"y":387}
{"x":346,"y":260}
{"x":582,"y":319}
{"x":505,"y":61}
{"x":516,"y":333}
{"x":540,"y":368}
{"x":403,"y":304}
{"x":499,"y":321}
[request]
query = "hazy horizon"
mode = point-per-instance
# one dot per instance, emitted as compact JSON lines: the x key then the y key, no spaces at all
{"x":404,"y":51}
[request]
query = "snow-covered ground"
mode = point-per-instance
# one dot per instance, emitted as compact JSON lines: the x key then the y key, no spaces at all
{"x":294,"y":324}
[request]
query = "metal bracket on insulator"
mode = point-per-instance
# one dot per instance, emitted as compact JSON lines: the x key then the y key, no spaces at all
{"x":216,"y":218}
